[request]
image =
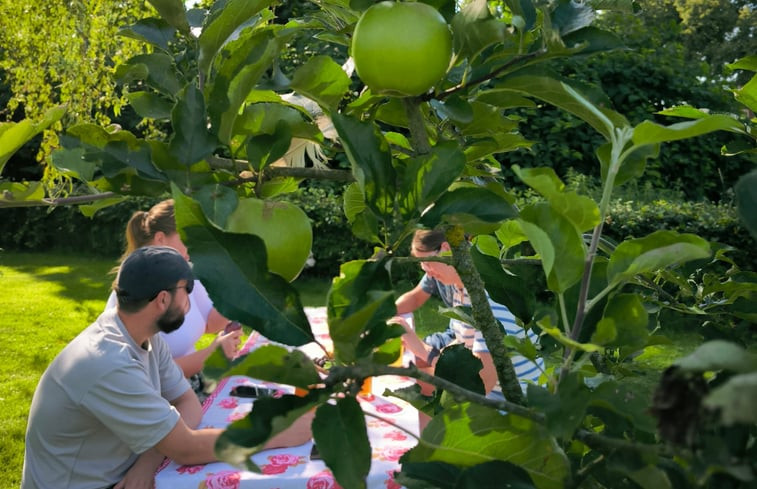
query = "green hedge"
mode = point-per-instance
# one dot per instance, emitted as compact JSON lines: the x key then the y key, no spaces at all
{"x":66,"y":229}
{"x":714,"y":222}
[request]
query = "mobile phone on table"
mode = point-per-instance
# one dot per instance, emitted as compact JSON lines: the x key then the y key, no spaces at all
{"x":251,"y":391}
{"x":232,"y":326}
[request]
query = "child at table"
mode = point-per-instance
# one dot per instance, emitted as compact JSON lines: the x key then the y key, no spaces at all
{"x":431,"y":243}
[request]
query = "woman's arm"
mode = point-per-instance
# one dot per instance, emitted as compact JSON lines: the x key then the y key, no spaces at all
{"x":193,"y":363}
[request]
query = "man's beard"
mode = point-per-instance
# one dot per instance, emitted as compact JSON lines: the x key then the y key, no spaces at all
{"x":170,"y":322}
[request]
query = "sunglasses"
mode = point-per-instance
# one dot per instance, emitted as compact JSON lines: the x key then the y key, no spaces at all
{"x":189,"y":286}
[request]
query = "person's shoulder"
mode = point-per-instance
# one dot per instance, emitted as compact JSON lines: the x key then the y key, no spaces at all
{"x":199,"y":290}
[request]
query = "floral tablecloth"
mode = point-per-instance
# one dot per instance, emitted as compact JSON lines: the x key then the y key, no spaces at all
{"x":292,"y":467}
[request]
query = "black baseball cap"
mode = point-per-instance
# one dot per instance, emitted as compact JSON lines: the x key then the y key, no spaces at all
{"x":150,"y":269}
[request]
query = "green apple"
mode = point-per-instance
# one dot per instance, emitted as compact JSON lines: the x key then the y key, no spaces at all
{"x":283,"y":227}
{"x":401,"y":48}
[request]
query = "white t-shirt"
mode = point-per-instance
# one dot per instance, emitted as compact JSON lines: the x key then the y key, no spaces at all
{"x":182,"y":341}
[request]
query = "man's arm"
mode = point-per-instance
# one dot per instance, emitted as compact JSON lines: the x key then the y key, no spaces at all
{"x":186,"y":446}
{"x":189,"y":407}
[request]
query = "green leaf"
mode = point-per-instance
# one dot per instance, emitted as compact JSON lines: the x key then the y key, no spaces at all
{"x":565,"y":243}
{"x":237,"y":71}
{"x":477,"y":209}
{"x":233,"y":269}
{"x":735,"y":400}
{"x":648,"y":132}
{"x":363,"y":223}
{"x":234,"y":16}
{"x":13,"y":135}
{"x":625,"y":400}
{"x":371,"y":161}
{"x":474,"y":29}
{"x":271,"y":363}
{"x":746,"y":201}
{"x":595,"y":40}
{"x":455,"y":109}
{"x":581,"y":211}
{"x":569,"y":17}
{"x":173,"y":12}
{"x":489,"y":475}
{"x":505,"y":287}
{"x":191,"y":141}
{"x":11,"y":192}
{"x":342,"y":440}
{"x":466,"y":435}
{"x":156,"y":69}
{"x":546,"y":326}
{"x":487,"y":121}
{"x":264,"y":149}
{"x":150,"y":105}
{"x":458,"y":365}
{"x":632,"y":165}
{"x":497,"y":143}
{"x":659,"y":250}
{"x":747,"y":94}
{"x":565,"y":410}
{"x":152,"y":30}
{"x":590,"y":108}
{"x":439,"y":475}
{"x":264,"y":117}
{"x":323,"y":80}
{"x":247,"y":436}
{"x":360,"y":300}
{"x":718,"y":355}
{"x":217,"y":202}
{"x":425,"y":178}
{"x":629,"y":318}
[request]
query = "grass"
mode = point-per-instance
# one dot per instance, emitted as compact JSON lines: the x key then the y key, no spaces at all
{"x":47,"y":299}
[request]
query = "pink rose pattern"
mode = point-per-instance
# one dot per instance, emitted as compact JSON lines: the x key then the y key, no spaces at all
{"x":229,"y":403}
{"x":236,"y":416}
{"x":396,"y":435}
{"x":226,"y":479}
{"x":189,"y":469}
{"x":390,"y":482}
{"x":280,"y":463}
{"x":388,"y":408}
{"x":323,"y":480}
{"x":390,"y":454}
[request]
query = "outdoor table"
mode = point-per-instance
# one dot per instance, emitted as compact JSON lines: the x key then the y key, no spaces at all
{"x":293,"y":467}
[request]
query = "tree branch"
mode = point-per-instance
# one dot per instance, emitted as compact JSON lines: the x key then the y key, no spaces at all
{"x":487,"y":77}
{"x":52,"y":202}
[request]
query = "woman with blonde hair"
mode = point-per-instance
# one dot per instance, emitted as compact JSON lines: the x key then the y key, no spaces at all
{"x":157,"y":226}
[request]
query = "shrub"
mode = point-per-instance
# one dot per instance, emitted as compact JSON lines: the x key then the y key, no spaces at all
{"x":67,"y":229}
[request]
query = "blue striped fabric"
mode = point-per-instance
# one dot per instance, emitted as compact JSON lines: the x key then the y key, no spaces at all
{"x":527,"y":371}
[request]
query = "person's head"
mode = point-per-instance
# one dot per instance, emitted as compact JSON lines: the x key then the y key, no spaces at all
{"x":155,"y":273}
{"x":432,"y":243}
{"x":156,"y":226}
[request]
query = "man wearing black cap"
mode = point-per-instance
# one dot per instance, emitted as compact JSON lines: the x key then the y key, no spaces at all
{"x":113,"y":402}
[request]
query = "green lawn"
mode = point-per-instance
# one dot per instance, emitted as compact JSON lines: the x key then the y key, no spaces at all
{"x":47,"y":299}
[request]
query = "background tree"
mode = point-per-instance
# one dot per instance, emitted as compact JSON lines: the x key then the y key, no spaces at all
{"x":231,"y":120}
{"x":62,"y":53}
{"x":661,"y":67}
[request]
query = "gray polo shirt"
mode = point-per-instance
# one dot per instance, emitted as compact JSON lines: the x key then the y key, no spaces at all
{"x":101,"y":402}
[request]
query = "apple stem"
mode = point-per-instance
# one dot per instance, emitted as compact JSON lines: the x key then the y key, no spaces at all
{"x":417,"y":126}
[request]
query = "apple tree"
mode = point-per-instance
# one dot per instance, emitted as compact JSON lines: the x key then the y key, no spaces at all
{"x":420,"y":131}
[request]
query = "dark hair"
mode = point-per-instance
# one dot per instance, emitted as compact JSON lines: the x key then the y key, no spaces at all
{"x":428,"y":240}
